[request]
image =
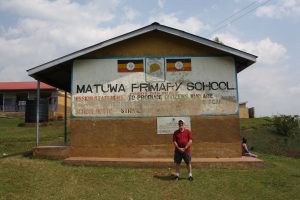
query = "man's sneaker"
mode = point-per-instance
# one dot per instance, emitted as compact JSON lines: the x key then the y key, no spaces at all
{"x":191,"y":178}
{"x":176,"y":178}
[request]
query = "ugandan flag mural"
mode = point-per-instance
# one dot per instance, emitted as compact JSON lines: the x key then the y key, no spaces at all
{"x":131,"y":65}
{"x":174,"y":65}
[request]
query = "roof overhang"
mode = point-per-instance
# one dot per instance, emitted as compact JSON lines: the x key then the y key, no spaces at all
{"x":58,"y":72}
{"x":24,"y":86}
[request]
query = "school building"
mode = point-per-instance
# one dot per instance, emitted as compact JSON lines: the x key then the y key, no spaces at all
{"x":128,"y":93}
{"x":13,"y":97}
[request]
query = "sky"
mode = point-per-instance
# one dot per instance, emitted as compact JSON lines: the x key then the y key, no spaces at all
{"x":34,"y":32}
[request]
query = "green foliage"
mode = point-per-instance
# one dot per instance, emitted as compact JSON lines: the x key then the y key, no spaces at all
{"x":216,"y":39}
{"x":285,"y":125}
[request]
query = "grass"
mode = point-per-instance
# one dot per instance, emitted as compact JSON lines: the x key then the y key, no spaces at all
{"x":24,"y":177}
{"x":15,"y":138}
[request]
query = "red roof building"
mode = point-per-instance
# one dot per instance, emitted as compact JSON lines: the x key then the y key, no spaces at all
{"x":17,"y":86}
{"x":13,"y":95}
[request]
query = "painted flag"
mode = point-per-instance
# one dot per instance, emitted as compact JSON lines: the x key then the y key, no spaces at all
{"x":131,"y":65}
{"x":174,"y":65}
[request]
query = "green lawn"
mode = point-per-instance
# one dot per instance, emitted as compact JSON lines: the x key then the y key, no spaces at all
{"x":22,"y":177}
{"x":15,"y":138}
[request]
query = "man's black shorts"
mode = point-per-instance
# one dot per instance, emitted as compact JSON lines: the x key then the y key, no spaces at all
{"x":178,"y":156}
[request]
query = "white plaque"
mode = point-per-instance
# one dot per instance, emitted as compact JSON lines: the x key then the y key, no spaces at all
{"x":167,"y":125}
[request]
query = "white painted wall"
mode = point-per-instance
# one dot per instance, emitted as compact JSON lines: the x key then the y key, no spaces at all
{"x":180,"y":99}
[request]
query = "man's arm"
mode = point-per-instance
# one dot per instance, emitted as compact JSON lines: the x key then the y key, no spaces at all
{"x":188,"y":144}
{"x":177,"y":147}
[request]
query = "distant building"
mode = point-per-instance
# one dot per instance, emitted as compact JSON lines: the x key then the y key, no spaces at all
{"x":13,"y":97}
{"x":246,"y":112}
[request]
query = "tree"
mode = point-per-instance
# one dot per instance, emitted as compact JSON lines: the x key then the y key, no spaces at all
{"x":285,"y":125}
{"x":216,"y":39}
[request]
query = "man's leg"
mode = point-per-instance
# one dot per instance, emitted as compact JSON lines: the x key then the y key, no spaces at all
{"x":188,"y":161}
{"x":189,"y":168}
{"x":177,"y":161}
{"x":177,"y":166}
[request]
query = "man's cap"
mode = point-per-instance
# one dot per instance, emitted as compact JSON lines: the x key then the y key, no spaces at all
{"x":181,"y":120}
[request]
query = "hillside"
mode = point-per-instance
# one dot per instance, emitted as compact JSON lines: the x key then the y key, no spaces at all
{"x":263,"y":139}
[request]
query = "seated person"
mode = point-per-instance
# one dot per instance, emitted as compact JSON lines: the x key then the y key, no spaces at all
{"x":245,"y":151}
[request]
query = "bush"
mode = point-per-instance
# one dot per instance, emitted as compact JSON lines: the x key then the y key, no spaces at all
{"x":285,"y":125}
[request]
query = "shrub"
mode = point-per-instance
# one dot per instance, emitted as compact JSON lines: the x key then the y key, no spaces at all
{"x":285,"y":125}
{"x":22,"y":124}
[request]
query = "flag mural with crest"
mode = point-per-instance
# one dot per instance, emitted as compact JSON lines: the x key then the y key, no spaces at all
{"x":174,"y":65}
{"x":131,"y":65}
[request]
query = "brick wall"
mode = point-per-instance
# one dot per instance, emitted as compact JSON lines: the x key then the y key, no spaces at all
{"x":136,"y":137}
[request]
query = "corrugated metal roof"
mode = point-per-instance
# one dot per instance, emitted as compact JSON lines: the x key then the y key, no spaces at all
{"x":61,"y":67}
{"x":6,"y":86}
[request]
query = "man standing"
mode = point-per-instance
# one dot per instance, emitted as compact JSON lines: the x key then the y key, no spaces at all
{"x":182,"y":139}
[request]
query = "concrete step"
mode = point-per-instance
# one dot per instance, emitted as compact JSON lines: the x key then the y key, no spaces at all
{"x":51,"y":152}
{"x":231,"y":163}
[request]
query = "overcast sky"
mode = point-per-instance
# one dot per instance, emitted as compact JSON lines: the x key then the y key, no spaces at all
{"x":33,"y":32}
